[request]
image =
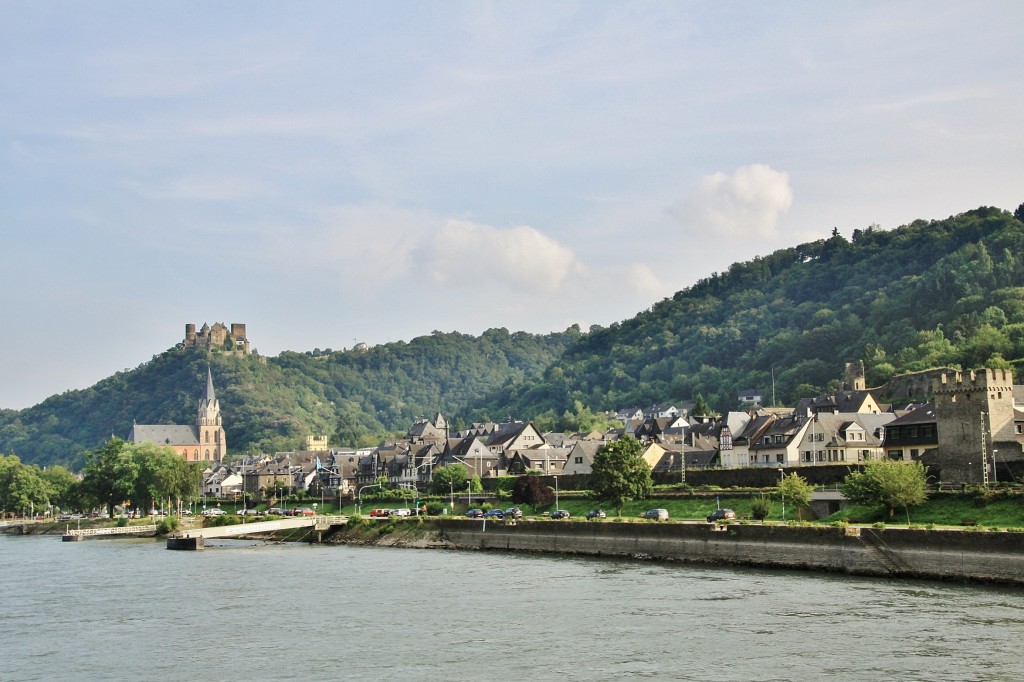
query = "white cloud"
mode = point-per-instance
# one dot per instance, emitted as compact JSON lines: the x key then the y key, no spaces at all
{"x":747,"y":203}
{"x":465,"y":254}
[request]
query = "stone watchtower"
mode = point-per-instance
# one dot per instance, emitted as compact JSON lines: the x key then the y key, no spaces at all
{"x":854,"y":378}
{"x":974,"y":415}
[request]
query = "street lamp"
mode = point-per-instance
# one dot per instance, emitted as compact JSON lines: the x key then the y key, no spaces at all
{"x":556,"y":492}
{"x":995,"y":476}
{"x":782,"y":477}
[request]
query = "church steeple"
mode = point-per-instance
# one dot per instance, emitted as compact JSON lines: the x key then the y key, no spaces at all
{"x":209,"y":407}
{"x":210,"y":396}
{"x":209,"y":426}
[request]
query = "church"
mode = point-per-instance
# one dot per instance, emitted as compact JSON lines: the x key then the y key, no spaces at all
{"x":202,"y":442}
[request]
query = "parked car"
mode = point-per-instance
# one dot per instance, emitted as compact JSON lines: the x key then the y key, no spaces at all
{"x":596,"y":514}
{"x":494,"y":514}
{"x":656,"y":514}
{"x":560,"y":514}
{"x":401,"y":512}
{"x":475,"y":513}
{"x":303,"y":511}
{"x":380,"y":513}
{"x":213,"y":511}
{"x":721,"y":515}
{"x":276,"y":511}
{"x":514,"y":512}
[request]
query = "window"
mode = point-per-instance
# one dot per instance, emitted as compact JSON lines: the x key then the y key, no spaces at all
{"x":780,"y":459}
{"x":914,"y":452}
{"x":579,"y":460}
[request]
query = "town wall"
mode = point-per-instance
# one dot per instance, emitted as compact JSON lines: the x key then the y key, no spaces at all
{"x":943,"y":554}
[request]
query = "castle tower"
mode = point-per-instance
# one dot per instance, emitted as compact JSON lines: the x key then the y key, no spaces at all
{"x":854,"y":379}
{"x":974,"y":414}
{"x":209,"y":425}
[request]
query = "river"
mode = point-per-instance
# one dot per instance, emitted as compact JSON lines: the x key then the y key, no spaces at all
{"x":124,"y":609}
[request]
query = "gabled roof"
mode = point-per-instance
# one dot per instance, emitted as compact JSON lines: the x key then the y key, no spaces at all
{"x":164,"y":434}
{"x":506,"y":433}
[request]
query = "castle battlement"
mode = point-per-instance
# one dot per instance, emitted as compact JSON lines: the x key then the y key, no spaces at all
{"x":953,"y":382}
{"x":217,"y":337}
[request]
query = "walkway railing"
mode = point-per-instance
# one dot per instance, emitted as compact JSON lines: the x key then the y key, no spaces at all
{"x":119,"y":530}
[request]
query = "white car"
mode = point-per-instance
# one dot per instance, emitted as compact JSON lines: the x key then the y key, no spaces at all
{"x":214,"y":511}
{"x":401,"y":512}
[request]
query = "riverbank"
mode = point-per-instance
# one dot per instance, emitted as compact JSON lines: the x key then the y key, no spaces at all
{"x":962,"y":555}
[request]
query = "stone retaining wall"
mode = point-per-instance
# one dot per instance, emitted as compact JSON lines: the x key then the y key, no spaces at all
{"x":945,"y":554}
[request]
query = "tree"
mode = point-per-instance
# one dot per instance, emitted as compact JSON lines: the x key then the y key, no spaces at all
{"x":110,"y":474}
{"x":63,"y":487}
{"x":700,"y":406}
{"x":795,"y":490}
{"x":22,"y":488}
{"x":891,"y":483}
{"x":1019,"y":213}
{"x":449,"y":478}
{"x":620,"y":474}
{"x":529,"y":489}
{"x":162,"y":474}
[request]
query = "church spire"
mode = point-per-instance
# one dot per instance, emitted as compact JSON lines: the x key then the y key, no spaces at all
{"x":210,"y":397}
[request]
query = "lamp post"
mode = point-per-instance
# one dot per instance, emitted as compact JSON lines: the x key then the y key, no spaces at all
{"x":782,"y":477}
{"x":451,"y":491}
{"x":995,"y":477}
{"x":556,"y":492}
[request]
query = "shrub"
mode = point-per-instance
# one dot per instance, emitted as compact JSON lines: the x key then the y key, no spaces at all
{"x":168,"y":524}
{"x":761,"y":507}
{"x":967,"y":521}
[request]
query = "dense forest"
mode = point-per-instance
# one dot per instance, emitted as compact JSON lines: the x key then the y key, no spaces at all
{"x":929,"y":294}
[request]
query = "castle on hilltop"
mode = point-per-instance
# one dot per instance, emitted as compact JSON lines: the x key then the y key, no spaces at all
{"x":217,"y":337}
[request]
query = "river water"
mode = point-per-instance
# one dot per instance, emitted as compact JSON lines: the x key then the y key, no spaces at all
{"x":124,"y":609}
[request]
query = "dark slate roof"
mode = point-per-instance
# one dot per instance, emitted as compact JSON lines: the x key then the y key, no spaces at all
{"x":922,"y":415}
{"x":164,"y":434}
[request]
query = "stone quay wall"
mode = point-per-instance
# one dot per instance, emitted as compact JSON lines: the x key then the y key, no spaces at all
{"x":996,"y":557}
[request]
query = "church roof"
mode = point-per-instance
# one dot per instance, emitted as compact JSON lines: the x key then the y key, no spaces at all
{"x":164,"y":434}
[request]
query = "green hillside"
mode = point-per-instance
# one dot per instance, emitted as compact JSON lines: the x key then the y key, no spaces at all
{"x":273,"y":406}
{"x":929,"y":294}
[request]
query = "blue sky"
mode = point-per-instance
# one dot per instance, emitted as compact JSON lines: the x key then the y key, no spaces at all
{"x":334,"y":172}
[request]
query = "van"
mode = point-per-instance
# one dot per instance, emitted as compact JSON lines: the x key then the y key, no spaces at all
{"x":656,"y":514}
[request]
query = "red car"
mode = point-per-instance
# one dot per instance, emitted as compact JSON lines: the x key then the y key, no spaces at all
{"x":302,"y":511}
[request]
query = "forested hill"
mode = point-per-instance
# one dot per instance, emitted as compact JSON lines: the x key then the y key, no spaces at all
{"x":274,"y":406}
{"x":929,"y":294}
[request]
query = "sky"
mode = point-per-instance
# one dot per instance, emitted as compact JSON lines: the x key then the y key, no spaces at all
{"x":338,"y":172}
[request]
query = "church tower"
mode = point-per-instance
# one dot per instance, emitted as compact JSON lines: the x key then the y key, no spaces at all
{"x":209,"y":426}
